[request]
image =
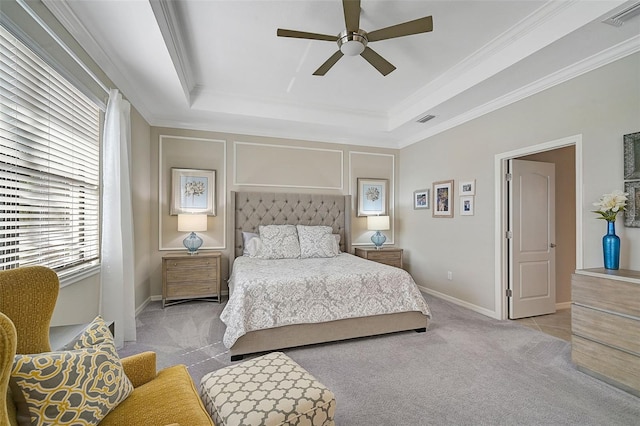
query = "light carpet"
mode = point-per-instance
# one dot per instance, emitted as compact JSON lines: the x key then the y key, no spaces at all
{"x":467,"y":369}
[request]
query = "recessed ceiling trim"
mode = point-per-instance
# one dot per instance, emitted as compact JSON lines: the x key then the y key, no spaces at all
{"x":548,"y":23}
{"x":169,"y":24}
{"x":624,"y":15}
{"x":607,"y":56}
{"x":63,"y":13}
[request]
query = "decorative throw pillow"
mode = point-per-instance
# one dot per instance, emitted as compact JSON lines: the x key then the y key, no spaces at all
{"x":317,"y":241}
{"x":79,"y":386}
{"x":279,"y":242}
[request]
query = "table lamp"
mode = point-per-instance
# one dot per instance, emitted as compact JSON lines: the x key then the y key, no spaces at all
{"x":378,"y":223}
{"x":192,"y":223}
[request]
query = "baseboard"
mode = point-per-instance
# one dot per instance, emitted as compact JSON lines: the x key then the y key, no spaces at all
{"x":464,"y":304}
{"x":142,"y":306}
{"x":563,"y":305}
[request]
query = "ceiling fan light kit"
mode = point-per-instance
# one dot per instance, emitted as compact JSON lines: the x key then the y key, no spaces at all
{"x":352,"y":43}
{"x":353,"y":40}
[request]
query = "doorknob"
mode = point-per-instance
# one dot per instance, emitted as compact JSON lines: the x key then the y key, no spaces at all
{"x":552,"y":245}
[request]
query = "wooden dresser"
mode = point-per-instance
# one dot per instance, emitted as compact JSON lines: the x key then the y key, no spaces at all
{"x":388,"y":256}
{"x":186,"y":277}
{"x":605,"y":326}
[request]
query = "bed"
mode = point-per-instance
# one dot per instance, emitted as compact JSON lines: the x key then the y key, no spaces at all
{"x":269,"y":322}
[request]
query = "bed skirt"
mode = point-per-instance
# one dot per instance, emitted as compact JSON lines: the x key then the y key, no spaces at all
{"x":308,"y":334}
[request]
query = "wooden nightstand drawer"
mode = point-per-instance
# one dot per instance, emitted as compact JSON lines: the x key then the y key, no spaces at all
{"x":191,"y":262}
{"x":202,"y":288}
{"x":186,"y":277}
{"x":388,"y":256}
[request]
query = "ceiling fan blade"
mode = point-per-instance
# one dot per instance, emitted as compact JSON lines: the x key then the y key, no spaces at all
{"x":422,"y":25}
{"x":378,"y":62}
{"x":351,"y":14}
{"x":329,"y":63}
{"x":305,"y":35}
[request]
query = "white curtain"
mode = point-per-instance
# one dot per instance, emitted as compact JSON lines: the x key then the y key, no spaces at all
{"x":117,"y":299}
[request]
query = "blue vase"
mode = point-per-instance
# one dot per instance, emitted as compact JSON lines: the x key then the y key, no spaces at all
{"x":611,"y":247}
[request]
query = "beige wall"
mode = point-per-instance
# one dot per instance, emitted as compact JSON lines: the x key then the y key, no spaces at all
{"x":141,"y":190}
{"x":602,"y":106}
{"x":564,"y":159}
{"x":253,"y":163}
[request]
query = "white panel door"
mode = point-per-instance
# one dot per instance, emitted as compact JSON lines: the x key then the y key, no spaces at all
{"x":532,"y":261}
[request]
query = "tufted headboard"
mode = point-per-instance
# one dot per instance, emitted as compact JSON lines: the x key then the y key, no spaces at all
{"x":251,"y":209}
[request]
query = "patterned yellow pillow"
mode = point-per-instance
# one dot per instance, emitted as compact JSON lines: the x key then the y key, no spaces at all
{"x":79,"y":386}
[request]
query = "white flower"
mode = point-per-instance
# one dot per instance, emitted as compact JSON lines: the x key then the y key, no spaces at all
{"x":610,"y":204}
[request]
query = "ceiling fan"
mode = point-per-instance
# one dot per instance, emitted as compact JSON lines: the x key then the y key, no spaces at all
{"x":353,"y":40}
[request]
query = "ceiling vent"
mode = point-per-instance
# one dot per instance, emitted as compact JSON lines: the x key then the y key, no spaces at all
{"x":624,"y":15}
{"x":425,"y":118}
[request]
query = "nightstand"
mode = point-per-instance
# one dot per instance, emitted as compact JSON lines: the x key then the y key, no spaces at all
{"x":388,"y":256}
{"x":187,"y":277}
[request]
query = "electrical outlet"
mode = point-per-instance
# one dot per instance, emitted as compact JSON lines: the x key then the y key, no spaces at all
{"x":449,"y":275}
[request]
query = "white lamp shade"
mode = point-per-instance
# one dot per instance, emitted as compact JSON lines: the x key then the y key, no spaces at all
{"x":377,"y":223}
{"x":192,"y":222}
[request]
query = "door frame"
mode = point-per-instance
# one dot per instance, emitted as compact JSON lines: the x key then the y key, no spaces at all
{"x":501,"y":209}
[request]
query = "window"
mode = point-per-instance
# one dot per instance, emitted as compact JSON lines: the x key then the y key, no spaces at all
{"x":49,"y":165}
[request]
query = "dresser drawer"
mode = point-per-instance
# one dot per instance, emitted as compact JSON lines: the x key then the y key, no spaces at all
{"x":614,"y":330}
{"x":178,"y":275}
{"x":190,"y":263}
{"x":612,"y":364}
{"x":194,"y":288}
{"x":391,"y":257}
{"x":602,"y":293}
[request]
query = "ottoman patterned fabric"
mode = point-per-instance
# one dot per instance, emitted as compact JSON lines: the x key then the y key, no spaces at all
{"x":269,"y":390}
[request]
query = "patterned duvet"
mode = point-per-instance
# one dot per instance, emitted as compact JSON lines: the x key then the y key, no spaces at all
{"x":274,"y":293}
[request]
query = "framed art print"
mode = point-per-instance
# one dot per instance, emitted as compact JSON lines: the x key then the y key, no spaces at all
{"x":421,"y":199}
{"x":193,"y":191}
{"x":372,"y":197}
{"x":632,"y":156}
{"x":467,"y":187}
{"x":467,"y":205}
{"x":442,"y":199}
{"x":632,"y":214}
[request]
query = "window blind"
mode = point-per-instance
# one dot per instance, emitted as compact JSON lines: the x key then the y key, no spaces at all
{"x":49,"y":165}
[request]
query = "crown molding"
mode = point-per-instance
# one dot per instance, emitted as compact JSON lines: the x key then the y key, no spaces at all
{"x":545,"y":25}
{"x":168,"y":21}
{"x":605,"y":57}
{"x":63,"y":13}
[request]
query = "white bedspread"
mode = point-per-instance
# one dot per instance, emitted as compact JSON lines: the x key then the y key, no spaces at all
{"x":273,"y":293}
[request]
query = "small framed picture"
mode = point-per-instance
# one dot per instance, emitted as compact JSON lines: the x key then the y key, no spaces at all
{"x":632,"y":214}
{"x":442,"y":199}
{"x":632,"y":156}
{"x":372,"y":197}
{"x":193,"y":191}
{"x":421,"y":199}
{"x":467,"y":187}
{"x":467,"y":205}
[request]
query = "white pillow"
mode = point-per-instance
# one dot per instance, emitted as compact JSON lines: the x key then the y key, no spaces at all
{"x":253,"y":247}
{"x":317,"y":241}
{"x":279,"y":242}
{"x":246,"y":238}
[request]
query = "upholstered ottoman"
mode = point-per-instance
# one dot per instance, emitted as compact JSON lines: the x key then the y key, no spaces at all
{"x":269,"y":390}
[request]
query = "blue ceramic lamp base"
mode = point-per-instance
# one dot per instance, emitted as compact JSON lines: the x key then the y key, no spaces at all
{"x":192,"y":243}
{"x":378,"y":239}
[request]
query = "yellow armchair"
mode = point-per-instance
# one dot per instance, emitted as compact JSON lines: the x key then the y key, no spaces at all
{"x":27,"y":298}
